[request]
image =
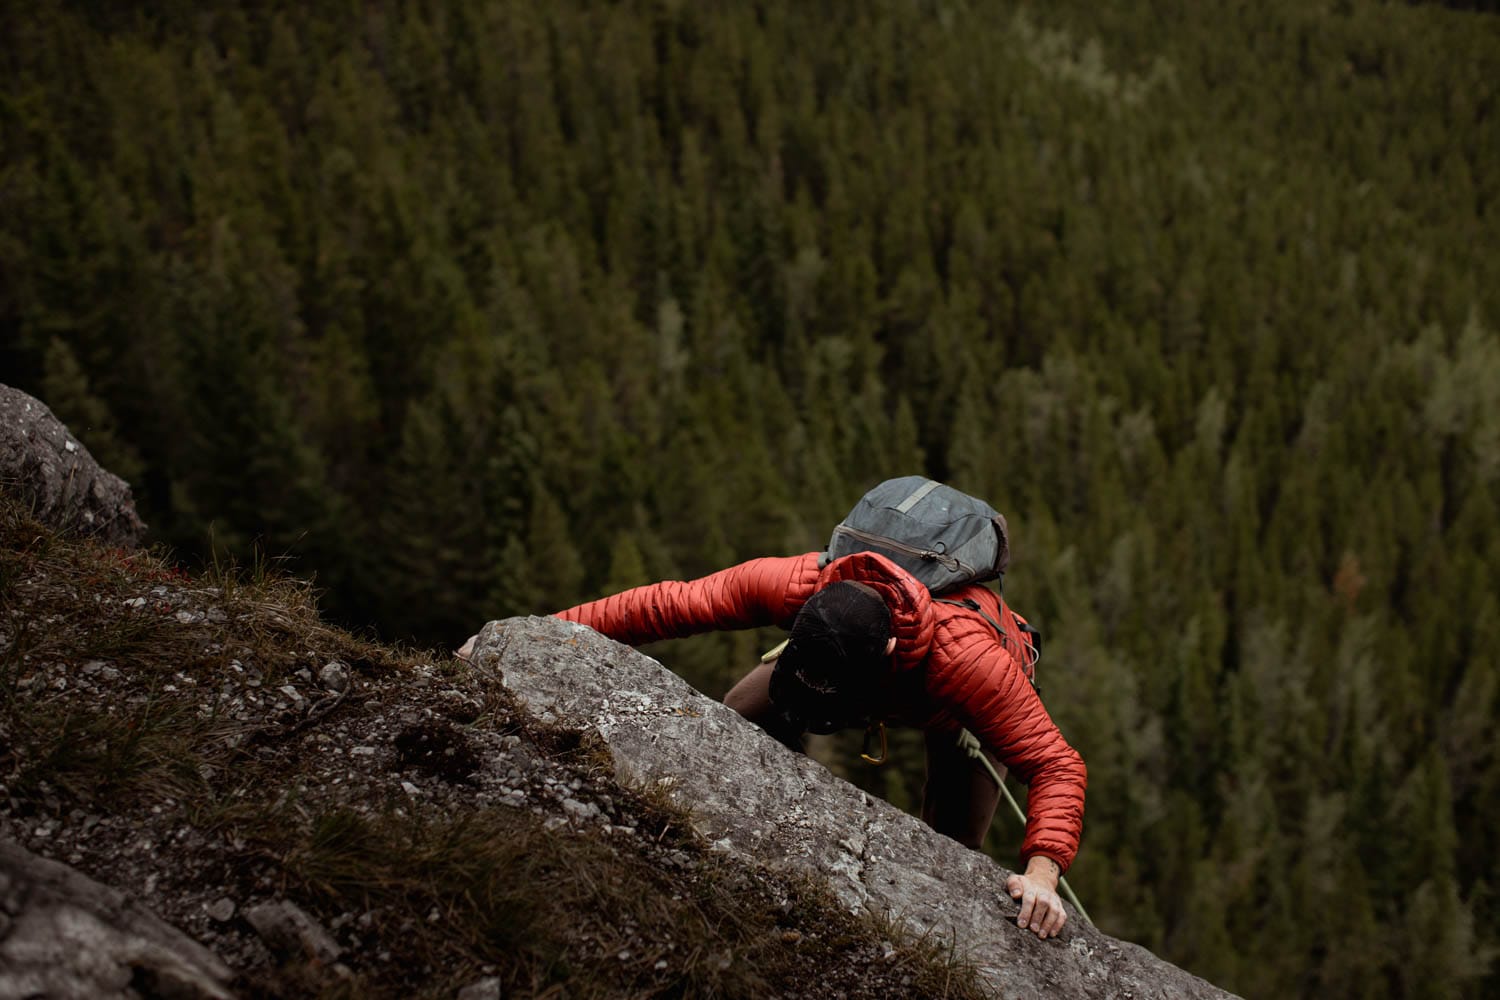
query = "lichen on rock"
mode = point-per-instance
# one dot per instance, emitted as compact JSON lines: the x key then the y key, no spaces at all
{"x":774,"y":807}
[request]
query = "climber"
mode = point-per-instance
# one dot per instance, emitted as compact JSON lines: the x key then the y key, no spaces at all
{"x":869,"y":643}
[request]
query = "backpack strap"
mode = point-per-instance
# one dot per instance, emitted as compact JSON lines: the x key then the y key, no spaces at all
{"x":973,"y":605}
{"x":1029,"y":662}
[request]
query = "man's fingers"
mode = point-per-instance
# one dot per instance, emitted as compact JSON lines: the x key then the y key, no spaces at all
{"x":1028,"y":904}
{"x":1046,"y":915}
{"x":1040,"y":910}
{"x":1056,"y":917}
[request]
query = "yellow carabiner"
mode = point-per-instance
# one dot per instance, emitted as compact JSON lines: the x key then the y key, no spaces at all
{"x":865,"y":752}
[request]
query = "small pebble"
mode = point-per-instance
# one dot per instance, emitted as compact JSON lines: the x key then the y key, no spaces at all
{"x":487,"y":988}
{"x":334,"y":676}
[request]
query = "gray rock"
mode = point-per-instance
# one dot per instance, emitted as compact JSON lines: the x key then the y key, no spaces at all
{"x":292,"y":934}
{"x":222,"y":910}
{"x":334,"y":676}
{"x":58,"y":477}
{"x":487,"y":988}
{"x":65,"y":936}
{"x":758,"y":800}
{"x":580,"y":811}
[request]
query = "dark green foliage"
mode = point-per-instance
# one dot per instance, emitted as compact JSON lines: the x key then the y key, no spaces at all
{"x":481,"y":309}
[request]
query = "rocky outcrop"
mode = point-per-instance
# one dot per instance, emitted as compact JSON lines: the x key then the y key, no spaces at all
{"x":58,"y":477}
{"x":64,"y":936}
{"x":410,"y":740}
{"x":752,"y":797}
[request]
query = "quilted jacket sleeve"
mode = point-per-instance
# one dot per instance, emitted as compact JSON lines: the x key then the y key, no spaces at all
{"x":759,"y":592}
{"x":976,"y":678}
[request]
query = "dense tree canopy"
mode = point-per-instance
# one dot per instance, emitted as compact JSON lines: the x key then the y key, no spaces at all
{"x":483,"y":308}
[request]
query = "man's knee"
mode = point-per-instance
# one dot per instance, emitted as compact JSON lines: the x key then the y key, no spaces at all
{"x":751,"y":696}
{"x":970,"y":840}
{"x":960,"y":822}
{"x":741,"y":701}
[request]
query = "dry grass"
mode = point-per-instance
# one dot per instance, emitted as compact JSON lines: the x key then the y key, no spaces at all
{"x":122,"y":693}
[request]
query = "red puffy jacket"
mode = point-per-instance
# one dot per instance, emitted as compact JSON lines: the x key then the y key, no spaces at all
{"x":952,"y":669}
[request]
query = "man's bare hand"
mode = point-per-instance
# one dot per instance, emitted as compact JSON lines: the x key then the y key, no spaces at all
{"x":1041,"y":908}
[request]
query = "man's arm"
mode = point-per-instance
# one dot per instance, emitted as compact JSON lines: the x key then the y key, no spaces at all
{"x":764,"y":591}
{"x":743,"y":596}
{"x":976,"y":677}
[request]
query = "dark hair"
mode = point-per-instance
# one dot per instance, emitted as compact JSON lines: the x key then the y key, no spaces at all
{"x":836,"y":650}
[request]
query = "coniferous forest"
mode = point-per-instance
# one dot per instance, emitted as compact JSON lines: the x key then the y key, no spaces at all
{"x":474,"y":308}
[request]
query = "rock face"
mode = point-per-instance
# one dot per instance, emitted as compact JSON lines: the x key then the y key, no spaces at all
{"x":64,"y":936}
{"x":754,"y":798}
{"x":58,"y":477}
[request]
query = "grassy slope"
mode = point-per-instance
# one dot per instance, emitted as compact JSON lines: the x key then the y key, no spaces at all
{"x":183,"y":740}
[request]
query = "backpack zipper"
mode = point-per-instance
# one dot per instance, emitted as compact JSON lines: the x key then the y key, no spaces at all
{"x":927,"y":555}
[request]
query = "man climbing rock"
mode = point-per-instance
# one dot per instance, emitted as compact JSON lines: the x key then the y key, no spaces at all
{"x":871,"y":644}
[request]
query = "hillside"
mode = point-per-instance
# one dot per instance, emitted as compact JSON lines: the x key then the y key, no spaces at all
{"x":469,"y":310}
{"x":211,"y":749}
{"x":315,"y":815}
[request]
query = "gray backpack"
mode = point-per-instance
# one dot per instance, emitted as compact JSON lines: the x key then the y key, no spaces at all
{"x":944,"y":538}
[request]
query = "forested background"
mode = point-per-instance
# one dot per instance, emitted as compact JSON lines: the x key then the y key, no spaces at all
{"x":482,"y":308}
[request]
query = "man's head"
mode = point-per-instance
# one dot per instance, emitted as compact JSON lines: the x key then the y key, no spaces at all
{"x":840,"y":644}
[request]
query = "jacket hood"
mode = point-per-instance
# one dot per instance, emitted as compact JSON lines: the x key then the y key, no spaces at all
{"x":912,"y":619}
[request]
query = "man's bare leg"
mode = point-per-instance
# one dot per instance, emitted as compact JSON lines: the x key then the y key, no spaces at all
{"x":751,"y":697}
